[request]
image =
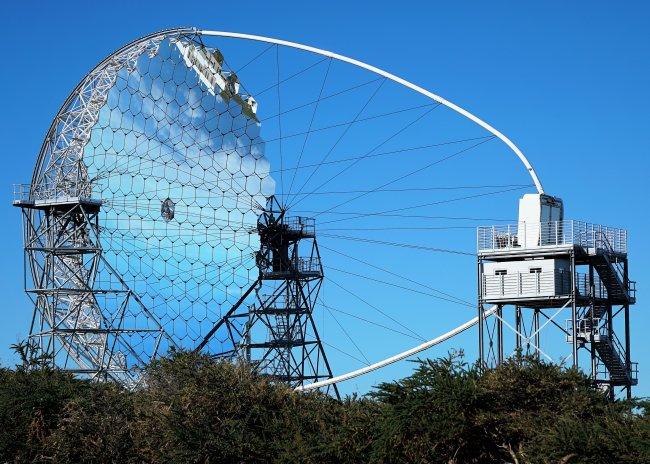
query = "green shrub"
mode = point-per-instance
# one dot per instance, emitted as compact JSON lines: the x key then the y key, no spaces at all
{"x":194,"y":409}
{"x":31,"y":403}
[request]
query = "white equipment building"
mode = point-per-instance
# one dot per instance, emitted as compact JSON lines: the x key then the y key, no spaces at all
{"x":544,"y":267}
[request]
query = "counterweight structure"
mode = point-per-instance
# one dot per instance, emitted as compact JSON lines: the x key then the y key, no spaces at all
{"x":537,"y":271}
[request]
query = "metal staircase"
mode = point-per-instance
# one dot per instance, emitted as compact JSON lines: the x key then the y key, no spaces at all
{"x":611,"y":363}
{"x":608,"y":266}
{"x":593,"y":328}
{"x":611,"y":359}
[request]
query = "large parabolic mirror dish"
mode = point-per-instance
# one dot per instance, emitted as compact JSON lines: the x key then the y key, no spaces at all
{"x":171,"y":161}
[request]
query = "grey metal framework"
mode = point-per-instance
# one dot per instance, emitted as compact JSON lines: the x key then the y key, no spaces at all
{"x":80,"y":324}
{"x":594,"y":290}
{"x":277,"y":333}
{"x":97,"y":329}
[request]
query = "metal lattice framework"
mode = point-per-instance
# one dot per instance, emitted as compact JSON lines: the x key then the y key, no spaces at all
{"x":594,"y":292}
{"x":157,"y":216}
{"x":141,"y":141}
{"x":279,"y":334}
{"x":149,"y":186}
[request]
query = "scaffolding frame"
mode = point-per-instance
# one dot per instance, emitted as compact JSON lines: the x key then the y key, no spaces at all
{"x":63,"y":258}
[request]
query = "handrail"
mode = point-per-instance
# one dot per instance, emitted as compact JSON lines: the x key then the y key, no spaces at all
{"x":526,"y":235}
{"x":51,"y":191}
{"x":602,"y":238}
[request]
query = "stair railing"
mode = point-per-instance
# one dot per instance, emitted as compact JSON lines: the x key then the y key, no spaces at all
{"x":603,"y":242}
{"x":618,"y":348}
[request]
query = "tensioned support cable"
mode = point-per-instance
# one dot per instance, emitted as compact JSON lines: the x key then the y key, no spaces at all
{"x":394,"y":78}
{"x":398,"y":357}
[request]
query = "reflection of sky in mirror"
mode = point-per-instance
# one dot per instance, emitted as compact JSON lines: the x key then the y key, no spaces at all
{"x":162,"y":136}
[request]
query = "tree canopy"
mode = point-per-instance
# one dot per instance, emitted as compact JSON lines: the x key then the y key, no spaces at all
{"x":195,"y":409}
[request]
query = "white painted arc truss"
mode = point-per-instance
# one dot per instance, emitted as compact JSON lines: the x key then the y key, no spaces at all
{"x":398,"y":80}
{"x":398,"y":357}
{"x":65,"y":169}
{"x":69,"y":132}
{"x":66,"y":175}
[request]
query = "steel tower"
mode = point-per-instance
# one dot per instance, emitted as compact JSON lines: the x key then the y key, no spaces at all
{"x":86,"y":326}
{"x":277,"y":333}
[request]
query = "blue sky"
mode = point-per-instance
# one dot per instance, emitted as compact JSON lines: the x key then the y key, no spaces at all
{"x":568,"y":83}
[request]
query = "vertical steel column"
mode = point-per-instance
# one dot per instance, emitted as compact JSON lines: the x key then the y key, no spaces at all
{"x":574,"y":309}
{"x":499,"y":323}
{"x":610,"y":335}
{"x":626,"y":315}
{"x":536,"y":326}
{"x":594,"y":322}
{"x":481,"y":319}
{"x":518,"y":328}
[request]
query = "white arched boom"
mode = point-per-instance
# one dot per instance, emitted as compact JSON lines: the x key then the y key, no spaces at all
{"x":397,"y":357}
{"x":392,"y":77}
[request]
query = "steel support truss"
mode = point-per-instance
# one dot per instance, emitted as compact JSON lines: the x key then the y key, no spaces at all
{"x":99,"y":329}
{"x":95,"y":328}
{"x":277,"y":333}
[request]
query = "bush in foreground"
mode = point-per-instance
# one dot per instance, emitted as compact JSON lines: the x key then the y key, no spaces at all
{"x":194,"y":409}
